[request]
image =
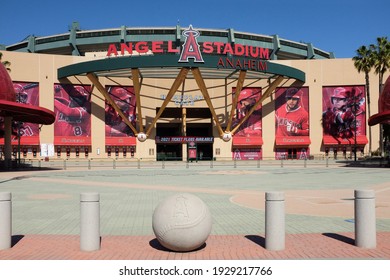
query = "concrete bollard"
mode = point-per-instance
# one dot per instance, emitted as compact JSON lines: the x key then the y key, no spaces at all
{"x":274,"y":221}
{"x":5,"y":220}
{"x":365,"y":220}
{"x":89,"y":221}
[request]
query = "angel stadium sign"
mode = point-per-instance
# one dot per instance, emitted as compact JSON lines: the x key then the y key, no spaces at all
{"x":191,"y":53}
{"x":235,"y":56}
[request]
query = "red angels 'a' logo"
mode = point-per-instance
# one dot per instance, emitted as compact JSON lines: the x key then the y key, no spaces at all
{"x":190,"y":48}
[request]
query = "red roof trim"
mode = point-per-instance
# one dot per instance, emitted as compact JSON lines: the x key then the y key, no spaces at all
{"x":251,"y":141}
{"x":72,"y":141}
{"x":292,"y":141}
{"x":120,"y":141}
{"x":330,"y":140}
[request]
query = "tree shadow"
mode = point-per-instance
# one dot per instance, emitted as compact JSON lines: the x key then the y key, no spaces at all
{"x":341,"y":238}
{"x":259,"y":240}
{"x":154,"y":243}
{"x":15,"y":239}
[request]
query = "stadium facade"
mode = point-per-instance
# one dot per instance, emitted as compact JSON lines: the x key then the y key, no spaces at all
{"x":187,"y":93}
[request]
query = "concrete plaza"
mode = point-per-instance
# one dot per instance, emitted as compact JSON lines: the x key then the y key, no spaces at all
{"x":319,"y":209}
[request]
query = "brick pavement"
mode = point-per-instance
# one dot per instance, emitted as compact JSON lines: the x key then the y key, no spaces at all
{"x":46,"y":225}
{"x":237,"y":247}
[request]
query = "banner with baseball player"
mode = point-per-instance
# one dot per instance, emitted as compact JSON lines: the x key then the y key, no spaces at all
{"x":26,"y":93}
{"x":72,"y":106}
{"x":344,"y":113}
{"x":247,"y":140}
{"x":292,"y":123}
{"x":118,"y":133}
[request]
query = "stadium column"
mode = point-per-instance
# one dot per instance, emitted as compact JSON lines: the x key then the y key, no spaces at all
{"x":7,"y":141}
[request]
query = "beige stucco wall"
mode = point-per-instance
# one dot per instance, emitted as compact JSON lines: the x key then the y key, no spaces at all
{"x":42,"y":68}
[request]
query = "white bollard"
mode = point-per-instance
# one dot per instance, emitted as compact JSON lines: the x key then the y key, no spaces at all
{"x":89,"y":222}
{"x":5,"y":220}
{"x":274,"y":221}
{"x":365,"y":221}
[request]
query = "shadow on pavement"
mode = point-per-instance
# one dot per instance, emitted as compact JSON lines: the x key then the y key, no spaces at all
{"x":259,"y":240}
{"x":15,"y":239}
{"x":154,"y":243}
{"x":341,"y":238}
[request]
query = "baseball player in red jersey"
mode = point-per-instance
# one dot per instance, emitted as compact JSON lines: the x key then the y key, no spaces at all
{"x":339,"y":120}
{"x":292,"y":119}
{"x":72,"y":110}
{"x":246,"y":101}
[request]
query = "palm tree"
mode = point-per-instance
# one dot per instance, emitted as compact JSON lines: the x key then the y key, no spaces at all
{"x":364,"y":62}
{"x":5,"y":63}
{"x":381,"y":57}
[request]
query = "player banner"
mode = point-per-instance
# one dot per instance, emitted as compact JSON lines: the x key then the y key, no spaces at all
{"x":291,"y":113}
{"x":344,"y":114}
{"x":118,"y":133}
{"x":249,"y":134}
{"x":72,"y":106}
{"x":26,"y":93}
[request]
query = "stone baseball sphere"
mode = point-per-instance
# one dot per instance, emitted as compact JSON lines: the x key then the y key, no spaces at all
{"x":182,"y":222}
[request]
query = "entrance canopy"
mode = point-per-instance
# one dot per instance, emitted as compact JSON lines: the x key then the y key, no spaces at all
{"x":9,"y":107}
{"x":168,"y":66}
{"x":383,"y":115}
{"x":171,"y":66}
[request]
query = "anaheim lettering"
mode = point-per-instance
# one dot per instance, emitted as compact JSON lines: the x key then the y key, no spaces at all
{"x":242,"y":63}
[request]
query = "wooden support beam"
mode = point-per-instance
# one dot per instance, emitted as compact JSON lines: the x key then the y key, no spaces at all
{"x":240,"y":83}
{"x":95,"y":81}
{"x":202,"y":86}
{"x":137,"y":89}
{"x":184,"y":121}
{"x":176,"y":84}
{"x":266,"y":94}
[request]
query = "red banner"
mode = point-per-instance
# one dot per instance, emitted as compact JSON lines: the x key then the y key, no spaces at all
{"x":344,"y":114}
{"x":72,"y":106}
{"x":118,"y":133}
{"x":247,"y":154}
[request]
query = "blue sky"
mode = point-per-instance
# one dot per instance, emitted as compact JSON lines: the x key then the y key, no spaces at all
{"x":335,"y":25}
